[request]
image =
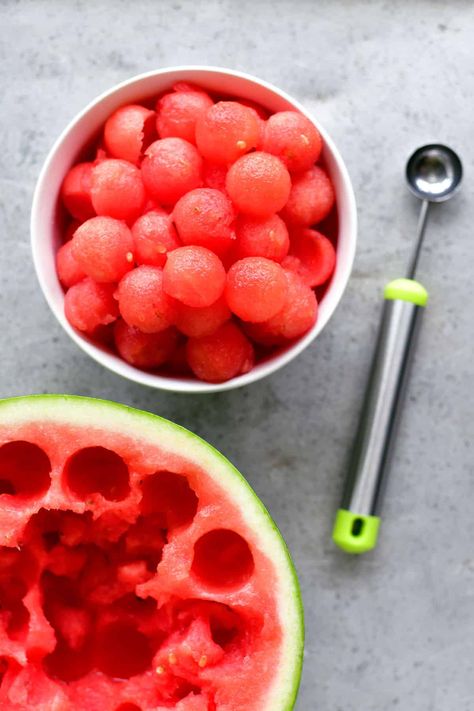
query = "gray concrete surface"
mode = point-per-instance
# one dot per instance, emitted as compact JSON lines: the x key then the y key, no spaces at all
{"x":394,"y":629}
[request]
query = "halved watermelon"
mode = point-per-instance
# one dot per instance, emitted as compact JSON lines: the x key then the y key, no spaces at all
{"x":138,"y":570}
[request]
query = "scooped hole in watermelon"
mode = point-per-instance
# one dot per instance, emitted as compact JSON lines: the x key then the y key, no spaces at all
{"x":96,"y":470}
{"x":17,"y":572}
{"x":71,"y":657}
{"x":67,"y":664}
{"x":169,"y":495}
{"x":144,"y":541}
{"x":24,"y":470}
{"x":17,"y":627}
{"x":90,"y":571}
{"x":54,"y":527}
{"x":222,"y":558}
{"x":226,"y":625}
{"x":122,"y":651}
{"x":128,"y":707}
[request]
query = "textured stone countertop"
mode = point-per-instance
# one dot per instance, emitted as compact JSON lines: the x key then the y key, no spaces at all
{"x":394,"y":629}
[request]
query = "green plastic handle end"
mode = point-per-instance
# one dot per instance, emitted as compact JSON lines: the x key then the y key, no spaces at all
{"x":406,"y":290}
{"x":355,"y":533}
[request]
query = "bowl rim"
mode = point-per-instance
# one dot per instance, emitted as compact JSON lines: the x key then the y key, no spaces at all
{"x":171,"y":383}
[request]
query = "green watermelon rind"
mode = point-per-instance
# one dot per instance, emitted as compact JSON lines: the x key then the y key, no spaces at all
{"x":75,"y":409}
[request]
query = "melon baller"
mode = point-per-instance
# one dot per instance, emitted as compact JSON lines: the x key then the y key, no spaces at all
{"x":433,"y":174}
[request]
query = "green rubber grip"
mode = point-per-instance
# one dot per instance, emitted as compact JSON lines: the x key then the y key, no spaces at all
{"x":355,"y":533}
{"x":406,"y":290}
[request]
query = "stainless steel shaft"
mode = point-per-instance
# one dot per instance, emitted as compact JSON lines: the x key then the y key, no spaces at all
{"x":370,"y":457}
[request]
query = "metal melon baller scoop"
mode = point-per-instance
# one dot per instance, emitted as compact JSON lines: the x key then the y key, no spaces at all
{"x":433,"y":173}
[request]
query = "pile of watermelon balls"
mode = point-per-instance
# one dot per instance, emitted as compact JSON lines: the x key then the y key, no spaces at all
{"x":190,"y":242}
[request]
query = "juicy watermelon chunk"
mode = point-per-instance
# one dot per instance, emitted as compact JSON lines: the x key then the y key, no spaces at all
{"x":138,"y":570}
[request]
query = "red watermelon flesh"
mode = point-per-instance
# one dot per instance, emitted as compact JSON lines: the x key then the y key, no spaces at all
{"x":138,"y":571}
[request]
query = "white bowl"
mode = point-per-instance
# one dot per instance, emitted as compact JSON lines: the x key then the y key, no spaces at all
{"x":46,"y":222}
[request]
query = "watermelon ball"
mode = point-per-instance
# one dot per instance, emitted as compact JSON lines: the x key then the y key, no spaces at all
{"x":202,"y":321}
{"x":171,"y":167}
{"x":178,"y":112}
{"x":103,"y":247}
{"x":226,"y":131}
{"x":76,"y":192}
{"x":294,"y":139}
{"x":221,"y":355}
{"x":69,"y":270}
{"x":262,"y":237}
{"x":298,"y":315}
{"x":205,"y":217}
{"x":154,"y":236}
{"x":194,"y":275}
{"x":117,"y":189}
{"x":144,"y":350}
{"x":142,"y":301}
{"x":311,"y":198}
{"x":315,"y":255}
{"x":214,"y":176}
{"x":258,"y":184}
{"x":88,"y":305}
{"x":128,"y":131}
{"x":256,"y":289}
